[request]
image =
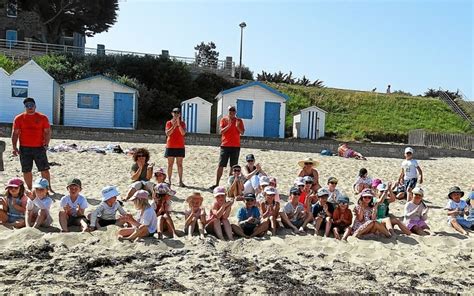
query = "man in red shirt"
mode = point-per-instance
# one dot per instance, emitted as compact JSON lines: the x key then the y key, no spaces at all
{"x":34,"y":132}
{"x":175,"y":131}
{"x":231,"y":128}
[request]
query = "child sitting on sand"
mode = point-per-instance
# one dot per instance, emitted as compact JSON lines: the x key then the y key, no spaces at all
{"x":363,"y":181}
{"x":342,"y":219}
{"x":162,"y":206}
{"x":13,"y":204}
{"x":195,"y":215}
{"x":72,"y":207}
{"x":416,"y":213}
{"x":322,"y":213}
{"x":270,"y":208}
{"x":385,"y":197}
{"x":218,"y":219}
{"x":457,"y":208}
{"x":39,"y":205}
{"x":293,"y":214}
{"x":249,"y":219}
{"x":409,"y":174}
{"x":308,"y":169}
{"x":236,"y":183}
{"x":144,"y":223}
{"x":105,"y":213}
{"x":365,"y":215}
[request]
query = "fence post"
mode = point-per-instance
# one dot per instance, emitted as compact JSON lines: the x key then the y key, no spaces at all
{"x":2,"y":149}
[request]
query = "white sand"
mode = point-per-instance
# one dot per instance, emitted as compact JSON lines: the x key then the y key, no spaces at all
{"x":34,"y":261}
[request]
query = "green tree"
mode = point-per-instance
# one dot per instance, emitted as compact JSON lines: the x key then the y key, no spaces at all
{"x":206,"y":55}
{"x":246,"y":73}
{"x":57,"y":17}
{"x":8,"y":64}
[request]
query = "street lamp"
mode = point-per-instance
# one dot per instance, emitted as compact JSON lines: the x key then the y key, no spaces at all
{"x":242,"y":25}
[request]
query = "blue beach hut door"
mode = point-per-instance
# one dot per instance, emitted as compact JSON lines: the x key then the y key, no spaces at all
{"x":123,"y":110}
{"x":272,"y":120}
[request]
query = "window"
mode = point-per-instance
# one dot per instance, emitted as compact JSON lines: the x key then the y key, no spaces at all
{"x":19,"y":88}
{"x":88,"y":101}
{"x":12,"y":8}
{"x":11,"y":36}
{"x":244,"y":109}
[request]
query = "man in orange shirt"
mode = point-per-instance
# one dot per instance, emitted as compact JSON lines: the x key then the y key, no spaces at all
{"x":231,"y":128}
{"x":34,"y":132}
{"x":175,"y":130}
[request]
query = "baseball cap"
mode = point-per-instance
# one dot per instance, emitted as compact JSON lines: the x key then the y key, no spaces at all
{"x":323,"y":192}
{"x":382,"y":187}
{"x":343,"y":199}
{"x":163,"y":188}
{"x":108,"y":192}
{"x":418,"y":190}
{"x":176,"y":110}
{"x":249,"y":196}
{"x":140,"y":194}
{"x":264,"y":180}
{"x":249,"y":157}
{"x":74,"y":181}
{"x":231,"y":107}
{"x":41,"y":183}
{"x":236,"y":166}
{"x":299,"y":181}
{"x":14,"y":182}
{"x":29,"y":100}
{"x":409,"y":150}
{"x":332,"y":180}
{"x":219,"y":191}
{"x":366,"y":192}
{"x":270,"y":190}
{"x":376,"y":182}
{"x":308,"y":179}
{"x":295,"y":190}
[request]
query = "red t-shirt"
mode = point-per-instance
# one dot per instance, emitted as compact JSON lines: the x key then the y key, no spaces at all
{"x":175,"y":139}
{"x":31,"y":128}
{"x":231,"y":137}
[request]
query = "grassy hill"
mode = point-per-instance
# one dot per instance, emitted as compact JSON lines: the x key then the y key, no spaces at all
{"x":357,"y":115}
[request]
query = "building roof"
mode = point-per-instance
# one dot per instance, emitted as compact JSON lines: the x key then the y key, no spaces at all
{"x":254,"y":83}
{"x":197,"y":98}
{"x":310,"y":108}
{"x":29,"y":63}
{"x":99,"y":77}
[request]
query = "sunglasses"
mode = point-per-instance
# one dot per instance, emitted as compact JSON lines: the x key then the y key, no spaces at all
{"x":237,"y":171}
{"x":366,"y":197}
{"x":308,"y":182}
{"x":250,"y":160}
{"x":343,"y":203}
{"x":30,"y":105}
{"x":249,"y":200}
{"x":13,"y":188}
{"x":231,"y":110}
{"x":295,"y":194}
{"x":308,"y":163}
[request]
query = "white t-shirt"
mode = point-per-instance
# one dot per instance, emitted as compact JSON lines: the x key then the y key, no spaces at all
{"x":80,"y":200}
{"x":148,"y":218}
{"x":37,"y":204}
{"x":461,"y":205}
{"x":293,"y":212}
{"x":409,"y":168}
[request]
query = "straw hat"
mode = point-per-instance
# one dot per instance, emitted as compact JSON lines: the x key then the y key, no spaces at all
{"x":307,"y":160}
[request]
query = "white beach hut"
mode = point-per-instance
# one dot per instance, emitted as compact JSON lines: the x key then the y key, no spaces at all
{"x":261,"y":107}
{"x":196,"y":113}
{"x":309,"y":123}
{"x":101,"y":102}
{"x":30,"y":80}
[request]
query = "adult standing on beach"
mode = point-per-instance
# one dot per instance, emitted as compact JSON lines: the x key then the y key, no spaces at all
{"x":231,"y":128}
{"x":33,"y":131}
{"x":175,"y":131}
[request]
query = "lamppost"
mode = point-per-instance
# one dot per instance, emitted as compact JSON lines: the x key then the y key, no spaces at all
{"x":242,"y":25}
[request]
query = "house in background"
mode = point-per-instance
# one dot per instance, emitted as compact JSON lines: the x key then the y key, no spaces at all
{"x":30,"y":80}
{"x":196,"y":113}
{"x":101,"y":102}
{"x":309,"y":123}
{"x":261,"y":107}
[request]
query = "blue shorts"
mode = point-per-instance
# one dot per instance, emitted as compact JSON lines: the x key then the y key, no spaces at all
{"x":463,"y":222}
{"x":410,"y":183}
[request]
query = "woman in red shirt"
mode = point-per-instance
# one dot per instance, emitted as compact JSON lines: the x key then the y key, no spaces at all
{"x":175,"y":131}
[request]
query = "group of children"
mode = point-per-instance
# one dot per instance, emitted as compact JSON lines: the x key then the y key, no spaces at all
{"x":326,"y":208}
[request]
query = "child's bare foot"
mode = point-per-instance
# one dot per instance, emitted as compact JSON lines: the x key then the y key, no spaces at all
{"x":160,"y":235}
{"x":337,"y":236}
{"x":201,"y":236}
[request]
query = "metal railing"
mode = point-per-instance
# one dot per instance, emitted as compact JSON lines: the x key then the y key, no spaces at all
{"x":454,"y":106}
{"x":28,"y":49}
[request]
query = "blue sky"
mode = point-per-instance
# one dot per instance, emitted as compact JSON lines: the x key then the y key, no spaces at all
{"x":412,"y":45}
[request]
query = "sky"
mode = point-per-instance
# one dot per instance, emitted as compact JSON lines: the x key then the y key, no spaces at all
{"x":412,"y":45}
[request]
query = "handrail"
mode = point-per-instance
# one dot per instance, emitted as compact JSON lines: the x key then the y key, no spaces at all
{"x":445,"y":97}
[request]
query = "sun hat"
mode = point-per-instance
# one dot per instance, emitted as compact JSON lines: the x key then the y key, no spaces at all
{"x":163,"y":188}
{"x":308,"y":179}
{"x":74,"y":181}
{"x":343,"y":199}
{"x":299,"y":181}
{"x":332,"y":180}
{"x":376,"y":182}
{"x":14,"y":182}
{"x":108,"y":192}
{"x":160,"y":171}
{"x":323,"y":192}
{"x":264,"y":180}
{"x":409,"y":150}
{"x":294,"y":190}
{"x":307,"y":160}
{"x":270,"y":190}
{"x":366,"y":192}
{"x":41,"y":183}
{"x":219,"y":191}
{"x":418,"y":190}
{"x":382,"y":187}
{"x":176,"y":110}
{"x":249,"y":157}
{"x":249,"y":196}
{"x":455,"y":189}
{"x":193,"y":196}
{"x":140,"y":194}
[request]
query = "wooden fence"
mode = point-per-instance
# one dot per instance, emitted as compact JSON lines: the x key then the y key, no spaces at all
{"x":454,"y":141}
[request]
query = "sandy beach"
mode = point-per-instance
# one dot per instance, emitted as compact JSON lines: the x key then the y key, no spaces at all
{"x":34,"y":261}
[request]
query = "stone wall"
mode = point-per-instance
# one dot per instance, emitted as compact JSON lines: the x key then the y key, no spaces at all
{"x":289,"y":144}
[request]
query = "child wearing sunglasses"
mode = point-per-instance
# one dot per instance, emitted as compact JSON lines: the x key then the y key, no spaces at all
{"x":342,"y":219}
{"x":13,"y":204}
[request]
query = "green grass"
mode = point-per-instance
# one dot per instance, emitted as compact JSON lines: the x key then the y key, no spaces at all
{"x":356,"y":115}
